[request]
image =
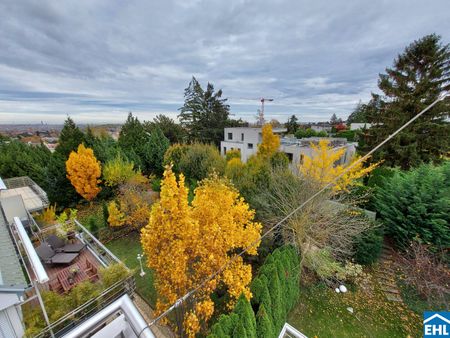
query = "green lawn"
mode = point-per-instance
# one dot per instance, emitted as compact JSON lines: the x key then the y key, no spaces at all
{"x":322,"y":312}
{"x":127,"y":248}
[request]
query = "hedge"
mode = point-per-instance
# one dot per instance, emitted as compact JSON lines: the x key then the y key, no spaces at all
{"x":415,"y":205}
{"x":275,"y":292}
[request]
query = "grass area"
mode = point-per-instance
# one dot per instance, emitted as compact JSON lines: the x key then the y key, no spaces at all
{"x":322,"y":312}
{"x":127,"y":248}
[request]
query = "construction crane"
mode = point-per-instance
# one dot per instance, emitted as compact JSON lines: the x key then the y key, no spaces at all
{"x":260,"y":115}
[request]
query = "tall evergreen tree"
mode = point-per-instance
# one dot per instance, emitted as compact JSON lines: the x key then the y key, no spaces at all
{"x":292,"y":124}
{"x":204,"y":113}
{"x":132,"y":140}
{"x":333,"y":119}
{"x":172,"y":130}
{"x":419,"y":75}
{"x":154,"y":151}
{"x":59,"y":189}
{"x":265,"y":327}
{"x":69,"y":139}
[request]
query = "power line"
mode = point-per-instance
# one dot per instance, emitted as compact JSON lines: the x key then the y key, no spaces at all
{"x":290,"y":214}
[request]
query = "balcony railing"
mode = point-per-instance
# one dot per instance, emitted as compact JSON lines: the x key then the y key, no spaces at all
{"x":104,"y":256}
{"x":81,"y":313}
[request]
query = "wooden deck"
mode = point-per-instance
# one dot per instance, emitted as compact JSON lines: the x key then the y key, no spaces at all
{"x":53,"y":270}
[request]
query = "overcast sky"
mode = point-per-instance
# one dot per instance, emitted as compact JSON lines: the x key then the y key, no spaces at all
{"x":97,"y":60}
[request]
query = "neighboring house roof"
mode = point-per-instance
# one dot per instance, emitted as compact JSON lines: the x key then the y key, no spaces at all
{"x":13,"y":206}
{"x":33,"y":196}
{"x":11,"y":274}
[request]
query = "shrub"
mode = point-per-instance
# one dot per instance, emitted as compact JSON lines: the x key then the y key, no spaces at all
{"x":368,"y":246}
{"x":200,"y":160}
{"x":93,"y":227}
{"x":279,"y":160}
{"x":275,"y":292}
{"x":156,"y":184}
{"x":173,"y":156}
{"x":233,"y":153}
{"x":427,"y":274}
{"x":112,"y":274}
{"x":416,"y":203}
{"x":105,"y":213}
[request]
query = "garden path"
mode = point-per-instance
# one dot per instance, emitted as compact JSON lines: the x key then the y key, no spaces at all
{"x":386,"y":274}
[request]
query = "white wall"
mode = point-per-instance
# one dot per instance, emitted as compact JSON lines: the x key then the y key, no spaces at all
{"x":240,"y":138}
{"x":244,"y":139}
{"x":11,"y":322}
{"x":356,"y":126}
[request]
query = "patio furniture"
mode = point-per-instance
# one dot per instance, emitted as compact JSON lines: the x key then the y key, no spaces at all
{"x":90,"y":269}
{"x":55,"y":285}
{"x":49,"y":256}
{"x":68,"y":279}
{"x":59,"y":245}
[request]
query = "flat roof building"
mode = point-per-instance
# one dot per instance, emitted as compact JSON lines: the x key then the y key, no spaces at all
{"x":246,"y":140}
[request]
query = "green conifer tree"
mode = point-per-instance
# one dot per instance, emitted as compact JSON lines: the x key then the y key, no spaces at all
{"x":265,"y":328}
{"x":419,"y":75}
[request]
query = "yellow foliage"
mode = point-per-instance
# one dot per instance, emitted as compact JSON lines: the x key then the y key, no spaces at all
{"x":83,"y":171}
{"x":119,"y":171}
{"x":270,"y":142}
{"x":187,"y":243}
{"x":232,"y":154}
{"x":116,"y":218}
{"x":48,"y":216}
{"x":321,"y":168}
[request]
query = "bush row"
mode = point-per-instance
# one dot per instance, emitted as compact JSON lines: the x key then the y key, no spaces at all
{"x":275,"y":291}
{"x":415,"y":205}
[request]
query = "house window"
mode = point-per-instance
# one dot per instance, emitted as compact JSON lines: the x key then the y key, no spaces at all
{"x":250,"y":146}
{"x":290,"y":156}
{"x":230,"y":136}
{"x":224,"y":150}
{"x":302,"y":156}
{"x":242,"y":137}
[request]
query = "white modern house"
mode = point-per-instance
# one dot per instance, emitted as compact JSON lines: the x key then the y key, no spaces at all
{"x":358,"y":126}
{"x":246,"y":140}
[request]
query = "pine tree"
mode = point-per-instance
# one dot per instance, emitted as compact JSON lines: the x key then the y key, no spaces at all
{"x":240,"y":331}
{"x":59,"y":188}
{"x":155,"y":149}
{"x":172,"y":130}
{"x":204,"y":113}
{"x":334,"y":119}
{"x":69,"y":138}
{"x":278,"y":313}
{"x":132,"y":140}
{"x":292,"y":124}
{"x":419,"y":75}
{"x":246,"y":316}
{"x":265,"y":328}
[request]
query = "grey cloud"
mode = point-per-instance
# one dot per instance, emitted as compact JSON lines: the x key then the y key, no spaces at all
{"x":97,"y":60}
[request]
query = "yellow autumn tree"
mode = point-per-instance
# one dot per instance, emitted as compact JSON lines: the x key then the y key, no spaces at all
{"x":187,"y":243}
{"x":269,"y":143}
{"x":83,"y":171}
{"x":116,"y":218}
{"x":321,"y":167}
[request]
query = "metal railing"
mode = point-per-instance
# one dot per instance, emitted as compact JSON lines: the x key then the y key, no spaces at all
{"x":100,"y":251}
{"x":84,"y":311}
